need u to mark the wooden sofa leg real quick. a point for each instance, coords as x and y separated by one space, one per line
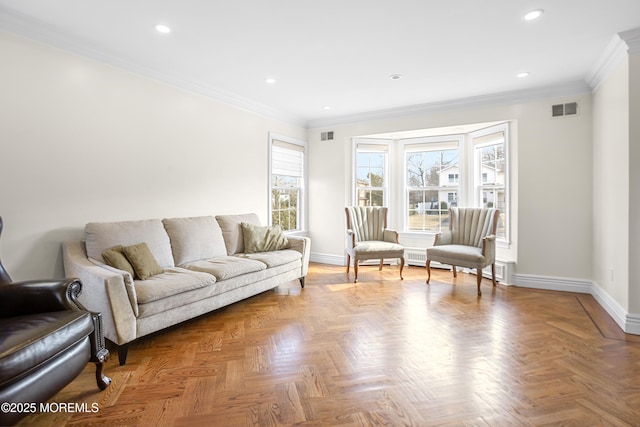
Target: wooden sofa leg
381 261
122 353
479 279
428 270
302 282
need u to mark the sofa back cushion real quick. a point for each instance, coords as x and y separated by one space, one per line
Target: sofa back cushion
194 239
232 230
101 236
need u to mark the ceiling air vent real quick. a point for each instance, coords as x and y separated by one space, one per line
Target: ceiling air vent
326 136
568 109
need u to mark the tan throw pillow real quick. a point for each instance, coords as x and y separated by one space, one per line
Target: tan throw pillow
117 259
142 260
258 238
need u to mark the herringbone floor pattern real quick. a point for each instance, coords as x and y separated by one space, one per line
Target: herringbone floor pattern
379 352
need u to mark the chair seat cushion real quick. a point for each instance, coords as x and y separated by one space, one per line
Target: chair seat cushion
374 249
459 255
28 341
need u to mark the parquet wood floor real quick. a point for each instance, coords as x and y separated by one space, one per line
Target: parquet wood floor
379 352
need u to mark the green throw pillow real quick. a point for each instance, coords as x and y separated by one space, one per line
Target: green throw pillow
117 259
258 238
142 260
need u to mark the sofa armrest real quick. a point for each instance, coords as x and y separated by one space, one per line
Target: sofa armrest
301 244
39 296
104 292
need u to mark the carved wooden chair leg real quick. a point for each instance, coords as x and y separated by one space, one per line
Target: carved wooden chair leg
493 274
428 270
479 279
99 352
401 267
355 270
348 262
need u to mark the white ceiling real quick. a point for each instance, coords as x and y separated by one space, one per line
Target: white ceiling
337 53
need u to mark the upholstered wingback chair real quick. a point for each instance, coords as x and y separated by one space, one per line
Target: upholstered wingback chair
470 242
369 238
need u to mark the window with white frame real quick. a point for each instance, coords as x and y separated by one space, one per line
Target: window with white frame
287 183
490 177
371 174
432 174
432 169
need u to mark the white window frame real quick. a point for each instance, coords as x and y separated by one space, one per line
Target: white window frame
303 199
478 184
364 145
433 143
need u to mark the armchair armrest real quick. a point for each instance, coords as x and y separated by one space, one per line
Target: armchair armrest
489 247
40 296
443 238
390 236
351 238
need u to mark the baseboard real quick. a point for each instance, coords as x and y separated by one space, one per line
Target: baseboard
628 322
327 259
552 283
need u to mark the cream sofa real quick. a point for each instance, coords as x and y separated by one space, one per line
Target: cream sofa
203 267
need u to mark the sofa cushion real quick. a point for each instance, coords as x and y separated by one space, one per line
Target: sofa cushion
226 267
142 261
275 258
194 238
28 341
101 236
232 230
172 281
117 259
258 238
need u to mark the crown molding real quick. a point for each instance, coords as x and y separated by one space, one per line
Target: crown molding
44 33
622 44
568 89
632 39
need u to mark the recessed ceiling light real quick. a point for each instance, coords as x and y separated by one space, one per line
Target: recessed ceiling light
395 76
522 74
270 80
534 14
161 28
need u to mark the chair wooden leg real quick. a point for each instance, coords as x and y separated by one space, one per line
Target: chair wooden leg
493 274
479 279
355 269
348 262
428 270
401 267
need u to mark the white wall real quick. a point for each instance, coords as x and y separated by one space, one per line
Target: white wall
83 141
550 171
634 183
611 184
